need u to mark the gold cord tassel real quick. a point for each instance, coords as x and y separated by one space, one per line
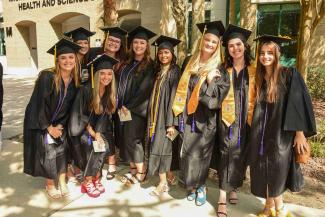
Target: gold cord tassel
54 56
256 51
92 75
201 41
126 43
221 54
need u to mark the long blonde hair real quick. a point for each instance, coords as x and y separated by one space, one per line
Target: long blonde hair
213 62
74 73
109 94
272 83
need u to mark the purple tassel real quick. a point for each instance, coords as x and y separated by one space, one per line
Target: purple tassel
89 139
152 138
261 152
238 142
181 125
230 132
193 125
45 139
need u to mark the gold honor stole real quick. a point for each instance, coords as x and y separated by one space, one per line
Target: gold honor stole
228 105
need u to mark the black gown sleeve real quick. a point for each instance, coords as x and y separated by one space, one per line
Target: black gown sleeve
44 85
299 114
213 94
171 120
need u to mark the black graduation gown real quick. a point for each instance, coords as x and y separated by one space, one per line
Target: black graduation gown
232 161
161 148
196 146
82 150
41 159
134 90
272 165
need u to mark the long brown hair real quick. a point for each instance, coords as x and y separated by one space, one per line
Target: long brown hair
144 62
273 82
108 99
74 73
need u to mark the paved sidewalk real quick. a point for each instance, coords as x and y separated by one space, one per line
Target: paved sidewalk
24 196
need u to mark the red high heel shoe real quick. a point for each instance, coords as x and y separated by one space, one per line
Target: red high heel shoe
99 186
90 189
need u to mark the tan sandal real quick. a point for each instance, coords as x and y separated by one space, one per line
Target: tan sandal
283 212
159 190
52 192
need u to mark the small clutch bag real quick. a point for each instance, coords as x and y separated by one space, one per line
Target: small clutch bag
303 158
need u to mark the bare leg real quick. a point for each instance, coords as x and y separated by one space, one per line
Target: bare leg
222 203
63 185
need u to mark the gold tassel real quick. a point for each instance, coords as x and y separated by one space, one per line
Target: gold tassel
221 53
256 51
76 77
92 75
126 43
201 41
54 56
155 49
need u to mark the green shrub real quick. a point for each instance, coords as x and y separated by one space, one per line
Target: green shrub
318 141
316 82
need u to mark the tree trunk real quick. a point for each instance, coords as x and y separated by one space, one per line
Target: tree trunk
179 13
167 23
311 13
198 12
248 19
232 12
304 38
110 13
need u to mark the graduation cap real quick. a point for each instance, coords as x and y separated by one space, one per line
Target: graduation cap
214 27
277 39
79 34
165 42
141 33
63 46
115 31
267 38
233 31
101 62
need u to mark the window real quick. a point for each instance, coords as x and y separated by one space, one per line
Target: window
2 42
281 19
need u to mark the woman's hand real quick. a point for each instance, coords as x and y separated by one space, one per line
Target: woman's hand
124 110
301 142
213 74
171 131
56 131
99 138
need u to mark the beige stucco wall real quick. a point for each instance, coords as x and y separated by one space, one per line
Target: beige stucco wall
34 31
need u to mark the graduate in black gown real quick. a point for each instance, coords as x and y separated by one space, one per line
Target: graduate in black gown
235 116
91 123
200 92
81 37
161 120
136 81
283 118
46 116
114 46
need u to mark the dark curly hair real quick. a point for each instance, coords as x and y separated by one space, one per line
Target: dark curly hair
228 62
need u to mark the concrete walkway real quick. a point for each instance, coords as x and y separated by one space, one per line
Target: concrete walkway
24 196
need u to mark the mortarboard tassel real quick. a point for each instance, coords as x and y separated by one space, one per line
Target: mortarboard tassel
256 51
126 43
201 41
54 56
92 75
155 50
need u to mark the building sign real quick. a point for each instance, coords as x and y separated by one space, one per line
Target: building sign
272 1
35 4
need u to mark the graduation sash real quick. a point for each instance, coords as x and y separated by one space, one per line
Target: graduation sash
228 105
